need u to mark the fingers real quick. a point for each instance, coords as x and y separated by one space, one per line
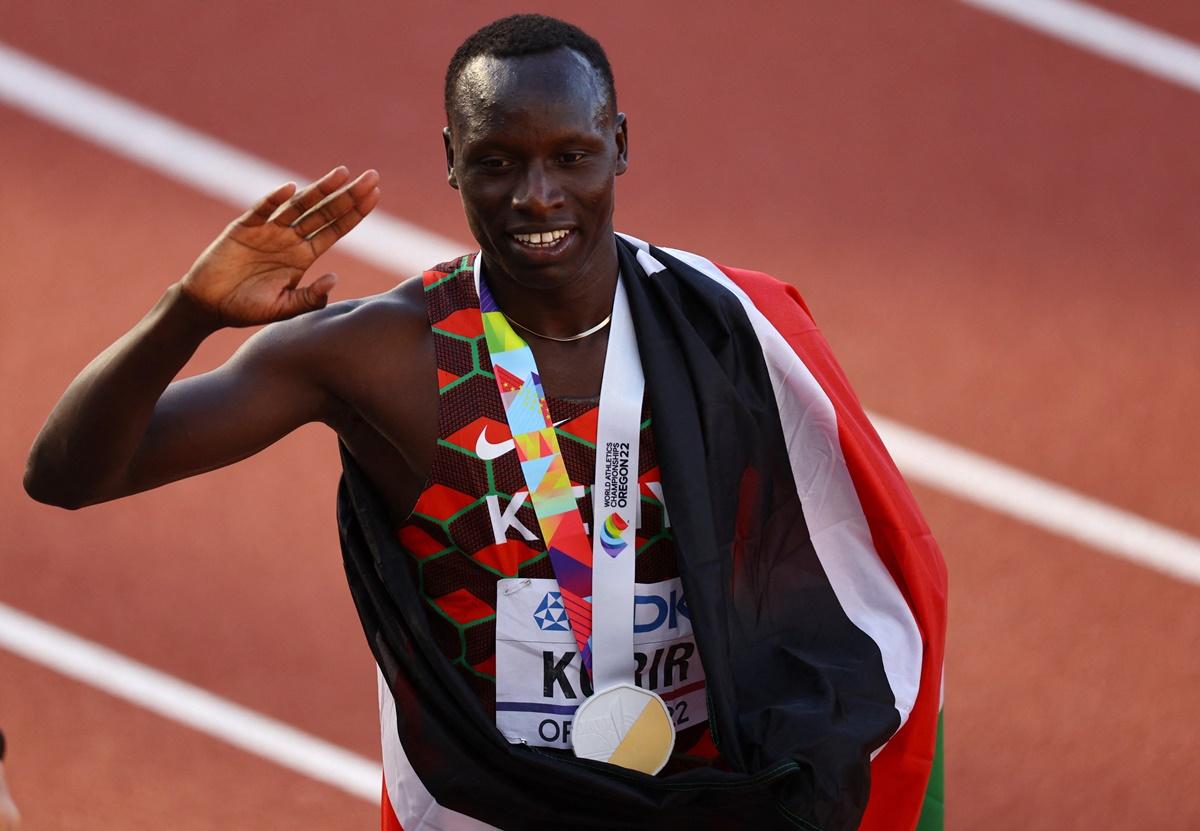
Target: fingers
308 298
362 205
310 196
266 206
337 205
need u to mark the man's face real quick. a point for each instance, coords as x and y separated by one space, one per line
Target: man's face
533 149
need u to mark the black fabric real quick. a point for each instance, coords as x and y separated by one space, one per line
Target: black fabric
797 694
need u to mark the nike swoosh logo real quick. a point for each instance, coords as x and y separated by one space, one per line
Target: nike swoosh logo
487 450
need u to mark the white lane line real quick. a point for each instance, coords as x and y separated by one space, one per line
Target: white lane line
187 704
1046 505
1110 35
194 159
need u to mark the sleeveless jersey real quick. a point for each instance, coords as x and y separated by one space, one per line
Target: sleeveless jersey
473 526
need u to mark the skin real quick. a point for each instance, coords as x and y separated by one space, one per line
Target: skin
532 144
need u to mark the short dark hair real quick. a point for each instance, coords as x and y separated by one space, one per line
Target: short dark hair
529 34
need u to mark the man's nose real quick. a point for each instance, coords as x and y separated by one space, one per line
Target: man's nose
538 193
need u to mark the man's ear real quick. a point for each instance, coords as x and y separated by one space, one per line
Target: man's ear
622 144
451 177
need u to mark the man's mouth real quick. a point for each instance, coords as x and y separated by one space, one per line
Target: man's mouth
543 240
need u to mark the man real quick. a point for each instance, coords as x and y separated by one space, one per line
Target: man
471 408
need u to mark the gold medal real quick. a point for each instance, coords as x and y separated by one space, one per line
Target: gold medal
625 726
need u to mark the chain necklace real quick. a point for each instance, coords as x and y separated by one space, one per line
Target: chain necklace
585 333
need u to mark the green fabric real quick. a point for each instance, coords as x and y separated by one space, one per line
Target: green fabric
933 812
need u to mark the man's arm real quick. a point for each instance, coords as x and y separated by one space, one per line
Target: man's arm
119 428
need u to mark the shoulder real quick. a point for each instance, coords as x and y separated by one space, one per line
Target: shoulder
398 314
765 290
399 311
342 338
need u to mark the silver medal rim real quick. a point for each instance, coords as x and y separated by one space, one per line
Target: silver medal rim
580 714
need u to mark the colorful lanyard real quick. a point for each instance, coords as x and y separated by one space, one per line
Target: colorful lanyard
597 580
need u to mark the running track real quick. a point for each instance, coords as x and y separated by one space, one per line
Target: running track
996 230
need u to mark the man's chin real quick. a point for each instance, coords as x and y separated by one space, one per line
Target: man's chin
538 270
541 278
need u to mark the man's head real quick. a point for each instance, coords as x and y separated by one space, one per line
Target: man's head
533 145
529 34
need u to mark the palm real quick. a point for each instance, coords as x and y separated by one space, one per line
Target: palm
248 271
251 273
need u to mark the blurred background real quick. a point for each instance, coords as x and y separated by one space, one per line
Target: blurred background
994 223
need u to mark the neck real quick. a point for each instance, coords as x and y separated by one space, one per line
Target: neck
562 309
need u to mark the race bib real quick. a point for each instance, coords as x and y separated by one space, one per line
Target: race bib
539 676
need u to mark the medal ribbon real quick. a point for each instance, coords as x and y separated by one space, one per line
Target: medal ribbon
609 560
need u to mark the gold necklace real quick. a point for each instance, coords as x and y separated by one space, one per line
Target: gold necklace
567 339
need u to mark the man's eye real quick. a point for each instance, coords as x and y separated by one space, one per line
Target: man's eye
572 158
495 163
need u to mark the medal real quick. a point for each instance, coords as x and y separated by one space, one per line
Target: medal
620 724
626 726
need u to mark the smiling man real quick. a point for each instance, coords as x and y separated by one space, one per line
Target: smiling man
625 548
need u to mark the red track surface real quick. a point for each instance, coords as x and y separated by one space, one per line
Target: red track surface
996 231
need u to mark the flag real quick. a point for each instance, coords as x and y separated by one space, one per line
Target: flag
907 774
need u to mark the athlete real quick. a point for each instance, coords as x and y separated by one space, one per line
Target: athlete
413 384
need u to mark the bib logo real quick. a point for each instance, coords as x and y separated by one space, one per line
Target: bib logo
551 616
652 612
610 535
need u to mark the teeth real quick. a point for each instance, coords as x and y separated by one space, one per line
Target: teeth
547 238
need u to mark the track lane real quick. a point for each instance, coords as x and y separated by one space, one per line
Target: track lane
899 306
80 759
1071 679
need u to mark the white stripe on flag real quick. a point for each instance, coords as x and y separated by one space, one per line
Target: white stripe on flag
413 804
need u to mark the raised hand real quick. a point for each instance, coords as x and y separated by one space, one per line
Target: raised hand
251 273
